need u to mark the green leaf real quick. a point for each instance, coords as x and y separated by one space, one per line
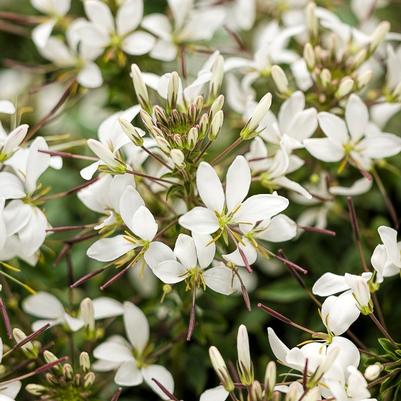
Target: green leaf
282 291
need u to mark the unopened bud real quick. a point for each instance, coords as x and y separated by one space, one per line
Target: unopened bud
250 130
35 389
270 377
133 133
359 58
256 391
49 356
245 368
173 90
192 138
89 379
87 314
325 77
311 20
364 78
217 105
397 90
309 56
379 35
372 372
162 143
177 157
68 371
217 77
280 79
220 368
345 87
140 87
216 125
84 361
19 336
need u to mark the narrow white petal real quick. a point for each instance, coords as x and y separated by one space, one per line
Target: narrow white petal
185 251
157 253
209 187
170 271
162 375
43 305
144 224
357 117
334 127
324 149
238 181
128 375
329 284
136 326
108 249
138 43
129 16
200 220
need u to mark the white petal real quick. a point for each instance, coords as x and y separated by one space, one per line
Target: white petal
164 51
10 186
159 25
280 350
42 32
144 224
357 188
93 37
99 14
389 238
329 284
185 251
108 249
157 253
128 375
43 305
88 172
7 107
15 138
162 375
357 117
260 207
303 125
218 393
248 253
73 323
136 326
105 307
129 16
238 181
138 43
10 391
324 149
129 204
334 127
199 220
220 279
113 352
90 76
205 249
380 146
102 152
281 228
170 271
37 163
290 108
209 187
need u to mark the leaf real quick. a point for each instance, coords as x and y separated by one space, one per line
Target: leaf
282 291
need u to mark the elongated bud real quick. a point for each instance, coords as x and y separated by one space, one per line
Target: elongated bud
20 336
217 105
364 78
84 362
359 58
220 368
217 77
89 379
280 79
140 88
217 124
173 90
177 157
68 371
103 153
133 133
324 366
87 313
162 143
309 56
372 372
256 391
35 389
311 20
245 368
270 377
49 356
379 35
192 138
325 77
345 87
250 130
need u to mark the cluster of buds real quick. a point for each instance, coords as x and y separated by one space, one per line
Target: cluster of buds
184 127
63 382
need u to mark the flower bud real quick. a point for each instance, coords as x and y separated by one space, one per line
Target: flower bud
280 79
87 314
89 379
35 389
359 58
256 391
217 105
379 35
216 126
162 143
311 20
177 157
250 130
133 133
192 138
19 336
361 292
103 153
221 369
84 361
372 372
345 87
140 87
68 371
49 356
309 56
270 377
173 90
217 77
364 78
245 368
325 77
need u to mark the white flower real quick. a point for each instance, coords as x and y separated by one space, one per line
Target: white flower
229 208
75 55
339 312
142 229
103 31
357 140
190 25
50 310
386 258
111 139
294 124
9 143
55 9
129 358
273 169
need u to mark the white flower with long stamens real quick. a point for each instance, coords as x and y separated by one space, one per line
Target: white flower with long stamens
189 25
131 359
356 140
56 10
339 312
142 230
103 31
229 209
386 258
50 310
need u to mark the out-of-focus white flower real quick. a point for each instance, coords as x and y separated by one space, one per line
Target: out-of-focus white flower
372 372
120 33
130 358
386 258
230 208
357 140
7 107
189 25
50 310
75 54
56 10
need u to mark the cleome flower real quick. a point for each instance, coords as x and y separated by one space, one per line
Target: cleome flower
132 359
227 209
